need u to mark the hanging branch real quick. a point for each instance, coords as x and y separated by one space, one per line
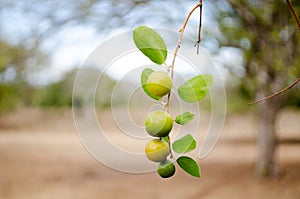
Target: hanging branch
297 80
199 4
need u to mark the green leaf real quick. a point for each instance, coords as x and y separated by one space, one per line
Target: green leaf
150 43
196 88
166 139
184 118
185 144
189 165
144 77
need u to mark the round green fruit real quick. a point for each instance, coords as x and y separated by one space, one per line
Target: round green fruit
166 169
159 83
158 124
157 150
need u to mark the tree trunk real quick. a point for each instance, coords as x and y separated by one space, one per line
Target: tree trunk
266 141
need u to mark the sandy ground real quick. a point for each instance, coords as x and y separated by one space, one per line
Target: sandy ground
41 157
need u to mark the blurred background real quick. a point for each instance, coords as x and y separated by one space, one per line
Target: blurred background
42 46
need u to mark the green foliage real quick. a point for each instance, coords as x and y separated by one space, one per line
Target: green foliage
8 97
59 94
144 78
8 55
196 88
14 95
55 95
184 118
184 144
150 43
293 99
15 91
189 165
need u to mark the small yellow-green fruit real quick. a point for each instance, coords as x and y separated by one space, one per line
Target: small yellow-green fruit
157 150
158 124
159 83
166 169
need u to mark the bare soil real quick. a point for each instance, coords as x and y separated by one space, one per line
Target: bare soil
41 157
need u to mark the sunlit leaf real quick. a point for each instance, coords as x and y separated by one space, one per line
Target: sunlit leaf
184 118
150 43
196 88
185 144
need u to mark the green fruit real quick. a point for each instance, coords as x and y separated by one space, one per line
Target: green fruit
157 150
166 169
159 124
159 83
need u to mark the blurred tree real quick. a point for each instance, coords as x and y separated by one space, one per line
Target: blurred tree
15 62
25 27
266 33
44 18
59 94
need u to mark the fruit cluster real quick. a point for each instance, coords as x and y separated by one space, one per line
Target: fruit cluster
159 124
158 85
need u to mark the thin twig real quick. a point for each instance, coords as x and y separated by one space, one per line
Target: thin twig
294 12
181 35
297 80
197 44
277 93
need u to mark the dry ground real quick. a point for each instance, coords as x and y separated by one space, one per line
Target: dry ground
41 157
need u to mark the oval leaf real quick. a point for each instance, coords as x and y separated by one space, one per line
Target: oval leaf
189 165
144 77
185 144
184 118
196 88
150 43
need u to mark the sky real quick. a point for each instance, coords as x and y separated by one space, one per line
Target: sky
73 44
69 49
